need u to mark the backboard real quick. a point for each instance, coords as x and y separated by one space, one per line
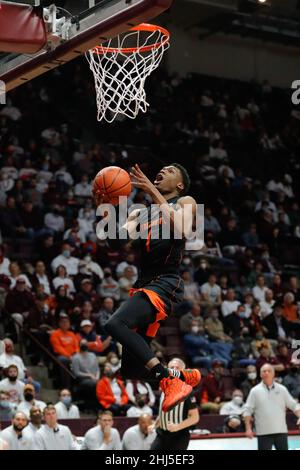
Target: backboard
92 23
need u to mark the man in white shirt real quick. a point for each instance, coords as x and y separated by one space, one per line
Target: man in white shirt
53 436
84 188
139 409
103 436
65 259
65 409
140 436
266 306
54 221
30 401
236 406
268 402
211 292
229 305
17 436
12 385
259 290
8 358
36 416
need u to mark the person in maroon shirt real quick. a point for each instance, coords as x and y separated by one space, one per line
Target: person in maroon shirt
212 391
284 357
18 302
266 358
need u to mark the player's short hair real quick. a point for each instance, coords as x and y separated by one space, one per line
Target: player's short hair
185 177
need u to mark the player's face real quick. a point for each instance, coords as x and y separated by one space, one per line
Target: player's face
168 180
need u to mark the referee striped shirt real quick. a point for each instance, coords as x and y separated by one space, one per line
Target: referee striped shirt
177 414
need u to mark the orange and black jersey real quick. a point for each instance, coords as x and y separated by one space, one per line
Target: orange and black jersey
160 252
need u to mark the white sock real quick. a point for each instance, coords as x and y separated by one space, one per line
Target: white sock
174 373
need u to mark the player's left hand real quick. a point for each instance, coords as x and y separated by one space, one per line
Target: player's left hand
172 427
141 181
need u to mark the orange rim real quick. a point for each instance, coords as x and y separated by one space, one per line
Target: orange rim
129 50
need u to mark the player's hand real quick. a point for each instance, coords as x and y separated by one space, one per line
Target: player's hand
141 181
249 434
172 427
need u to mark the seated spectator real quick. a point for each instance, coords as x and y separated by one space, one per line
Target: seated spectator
284 357
65 409
12 385
67 260
211 224
86 369
114 361
214 327
229 305
109 286
275 323
10 220
86 293
88 268
75 235
212 249
139 408
266 358
64 344
126 282
139 436
292 286
103 436
235 322
266 306
236 406
36 417
32 220
94 342
53 436
242 348
60 302
4 262
54 220
254 322
212 392
248 304
7 408
230 238
104 313
18 302
277 288
193 316
129 261
84 188
8 358
250 381
30 400
62 279
292 379
141 388
15 274
17 435
290 309
111 392
251 238
40 277
259 290
211 292
191 291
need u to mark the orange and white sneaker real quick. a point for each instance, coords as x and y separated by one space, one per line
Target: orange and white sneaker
192 377
175 391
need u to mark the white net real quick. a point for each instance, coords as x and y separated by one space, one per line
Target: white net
120 69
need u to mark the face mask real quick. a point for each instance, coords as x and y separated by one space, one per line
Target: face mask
109 373
252 375
294 370
107 275
67 401
88 258
4 404
140 403
28 396
83 347
114 361
66 253
237 401
186 261
242 314
195 329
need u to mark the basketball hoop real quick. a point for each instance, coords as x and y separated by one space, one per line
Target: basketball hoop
121 67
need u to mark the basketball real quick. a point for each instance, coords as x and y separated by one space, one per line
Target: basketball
113 182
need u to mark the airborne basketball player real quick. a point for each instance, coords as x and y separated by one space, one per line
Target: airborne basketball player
159 287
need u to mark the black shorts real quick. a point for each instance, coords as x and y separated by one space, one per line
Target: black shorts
171 440
165 292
